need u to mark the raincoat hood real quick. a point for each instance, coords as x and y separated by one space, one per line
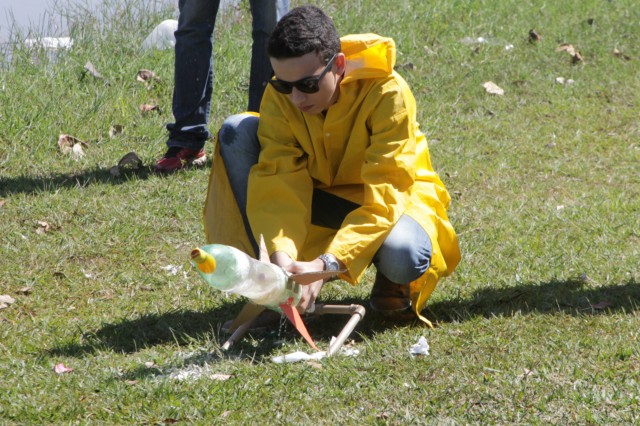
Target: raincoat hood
368 56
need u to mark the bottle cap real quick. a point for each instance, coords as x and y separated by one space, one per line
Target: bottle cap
203 261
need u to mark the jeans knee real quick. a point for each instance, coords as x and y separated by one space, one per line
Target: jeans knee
403 266
236 129
406 253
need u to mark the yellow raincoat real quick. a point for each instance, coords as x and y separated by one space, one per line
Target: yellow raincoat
367 149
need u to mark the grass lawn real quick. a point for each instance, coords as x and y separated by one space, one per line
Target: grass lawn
538 325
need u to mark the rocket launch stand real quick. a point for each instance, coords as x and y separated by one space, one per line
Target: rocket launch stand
356 313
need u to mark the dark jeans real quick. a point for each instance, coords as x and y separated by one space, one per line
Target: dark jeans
194 65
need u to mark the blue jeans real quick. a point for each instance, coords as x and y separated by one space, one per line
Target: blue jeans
403 256
194 65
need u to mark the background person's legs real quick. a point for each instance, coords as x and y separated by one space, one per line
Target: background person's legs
193 85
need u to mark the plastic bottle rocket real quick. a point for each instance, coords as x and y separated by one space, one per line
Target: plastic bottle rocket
265 284
228 269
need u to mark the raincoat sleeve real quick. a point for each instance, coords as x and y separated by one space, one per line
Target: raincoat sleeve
280 187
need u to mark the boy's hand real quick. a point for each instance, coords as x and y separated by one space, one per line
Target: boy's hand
309 292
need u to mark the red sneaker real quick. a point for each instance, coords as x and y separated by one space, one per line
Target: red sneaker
177 158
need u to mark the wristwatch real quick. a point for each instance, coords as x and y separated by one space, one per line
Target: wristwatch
330 262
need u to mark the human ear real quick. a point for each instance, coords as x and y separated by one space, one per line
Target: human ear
341 63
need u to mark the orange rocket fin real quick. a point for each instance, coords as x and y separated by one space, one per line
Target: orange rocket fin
294 316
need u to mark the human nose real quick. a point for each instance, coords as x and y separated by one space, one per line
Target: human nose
297 96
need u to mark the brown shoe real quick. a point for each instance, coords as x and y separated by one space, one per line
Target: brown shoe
388 297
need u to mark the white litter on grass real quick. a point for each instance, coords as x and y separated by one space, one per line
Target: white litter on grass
488 41
50 43
172 270
316 356
162 36
493 88
420 348
562 80
299 356
195 372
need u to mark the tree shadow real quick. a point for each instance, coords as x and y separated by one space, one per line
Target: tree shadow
572 297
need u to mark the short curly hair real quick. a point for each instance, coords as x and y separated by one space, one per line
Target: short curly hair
303 30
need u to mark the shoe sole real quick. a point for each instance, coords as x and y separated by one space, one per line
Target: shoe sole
200 161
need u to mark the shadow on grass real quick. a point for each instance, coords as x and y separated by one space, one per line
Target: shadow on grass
185 327
571 297
131 335
25 184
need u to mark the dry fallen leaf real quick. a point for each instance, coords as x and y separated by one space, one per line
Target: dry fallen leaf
407 67
526 374
129 161
72 145
146 75
89 68
565 47
6 300
621 55
493 88
149 107
534 36
61 369
24 291
43 227
2 203
115 130
575 55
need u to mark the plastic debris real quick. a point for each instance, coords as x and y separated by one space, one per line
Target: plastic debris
61 369
299 356
161 37
493 88
420 348
172 270
562 80
316 356
49 43
487 41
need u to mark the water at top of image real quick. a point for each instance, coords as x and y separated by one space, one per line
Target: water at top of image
24 19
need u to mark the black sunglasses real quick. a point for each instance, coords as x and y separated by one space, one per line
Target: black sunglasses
305 85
